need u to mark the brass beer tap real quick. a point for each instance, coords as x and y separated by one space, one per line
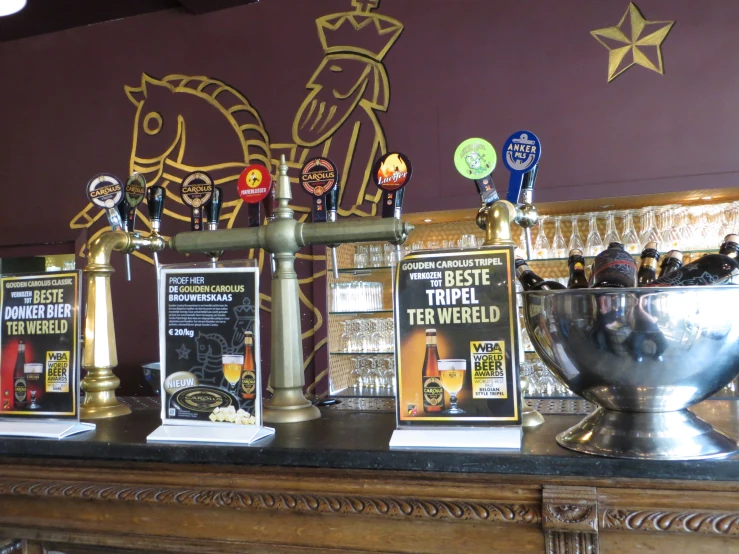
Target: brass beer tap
99 355
283 236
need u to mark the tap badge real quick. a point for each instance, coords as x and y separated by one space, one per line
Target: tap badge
319 176
475 158
521 152
105 191
392 171
197 188
135 189
254 184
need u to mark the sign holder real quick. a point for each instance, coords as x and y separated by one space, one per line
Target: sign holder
461 391
222 301
41 322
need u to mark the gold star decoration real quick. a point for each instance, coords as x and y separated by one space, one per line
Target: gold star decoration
633 41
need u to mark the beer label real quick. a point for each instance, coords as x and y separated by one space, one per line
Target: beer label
57 371
196 189
319 176
649 262
248 382
433 392
202 399
105 191
135 189
487 360
20 387
392 171
254 184
475 158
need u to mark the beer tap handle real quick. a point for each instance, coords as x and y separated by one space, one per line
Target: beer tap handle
332 201
527 189
213 210
486 190
123 209
155 199
106 191
521 153
391 173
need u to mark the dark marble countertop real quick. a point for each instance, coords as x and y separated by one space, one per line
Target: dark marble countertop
345 439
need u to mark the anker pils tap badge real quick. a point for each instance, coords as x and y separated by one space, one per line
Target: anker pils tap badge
392 171
319 176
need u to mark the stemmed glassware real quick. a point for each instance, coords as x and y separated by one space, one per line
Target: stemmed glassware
611 230
670 237
649 231
629 238
541 246
594 243
559 246
575 240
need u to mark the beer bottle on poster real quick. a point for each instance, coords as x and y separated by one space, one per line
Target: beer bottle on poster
711 269
433 392
20 385
248 373
648 266
530 280
577 270
673 261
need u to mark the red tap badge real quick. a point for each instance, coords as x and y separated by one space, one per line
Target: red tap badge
254 184
319 176
392 171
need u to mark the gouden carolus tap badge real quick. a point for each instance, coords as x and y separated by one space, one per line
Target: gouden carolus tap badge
634 41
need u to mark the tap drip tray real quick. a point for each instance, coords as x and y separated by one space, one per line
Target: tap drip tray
675 435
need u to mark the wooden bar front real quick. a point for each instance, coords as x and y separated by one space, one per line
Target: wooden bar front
333 486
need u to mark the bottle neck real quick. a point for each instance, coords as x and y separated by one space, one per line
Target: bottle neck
730 249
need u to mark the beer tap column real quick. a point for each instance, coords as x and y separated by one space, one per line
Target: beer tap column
284 236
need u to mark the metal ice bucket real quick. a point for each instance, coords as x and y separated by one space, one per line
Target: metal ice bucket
643 355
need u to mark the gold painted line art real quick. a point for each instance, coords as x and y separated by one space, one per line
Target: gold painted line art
338 119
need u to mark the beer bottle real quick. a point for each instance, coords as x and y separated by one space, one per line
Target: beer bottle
711 269
433 392
248 381
20 385
673 261
614 268
648 266
530 280
576 263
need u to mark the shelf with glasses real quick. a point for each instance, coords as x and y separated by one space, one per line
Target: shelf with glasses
388 311
364 270
356 392
362 353
636 256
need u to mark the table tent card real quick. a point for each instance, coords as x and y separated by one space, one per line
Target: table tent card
457 350
209 354
40 355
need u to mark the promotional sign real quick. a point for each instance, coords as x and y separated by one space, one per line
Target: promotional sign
457 339
521 153
196 191
106 191
319 177
39 360
209 345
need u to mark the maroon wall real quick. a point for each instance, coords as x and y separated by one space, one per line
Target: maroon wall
464 68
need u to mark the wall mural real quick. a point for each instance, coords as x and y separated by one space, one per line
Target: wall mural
178 115
634 41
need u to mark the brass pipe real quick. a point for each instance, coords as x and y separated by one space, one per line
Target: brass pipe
99 355
283 237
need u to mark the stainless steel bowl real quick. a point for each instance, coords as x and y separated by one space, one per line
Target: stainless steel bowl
643 355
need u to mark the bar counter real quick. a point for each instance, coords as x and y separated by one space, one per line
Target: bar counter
334 485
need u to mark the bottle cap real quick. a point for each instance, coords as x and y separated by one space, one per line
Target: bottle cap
616 245
731 238
575 252
652 246
675 254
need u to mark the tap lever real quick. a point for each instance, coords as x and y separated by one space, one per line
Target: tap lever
521 153
486 190
527 190
196 191
213 209
106 192
155 196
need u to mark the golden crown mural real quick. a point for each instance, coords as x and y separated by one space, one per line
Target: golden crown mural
337 119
